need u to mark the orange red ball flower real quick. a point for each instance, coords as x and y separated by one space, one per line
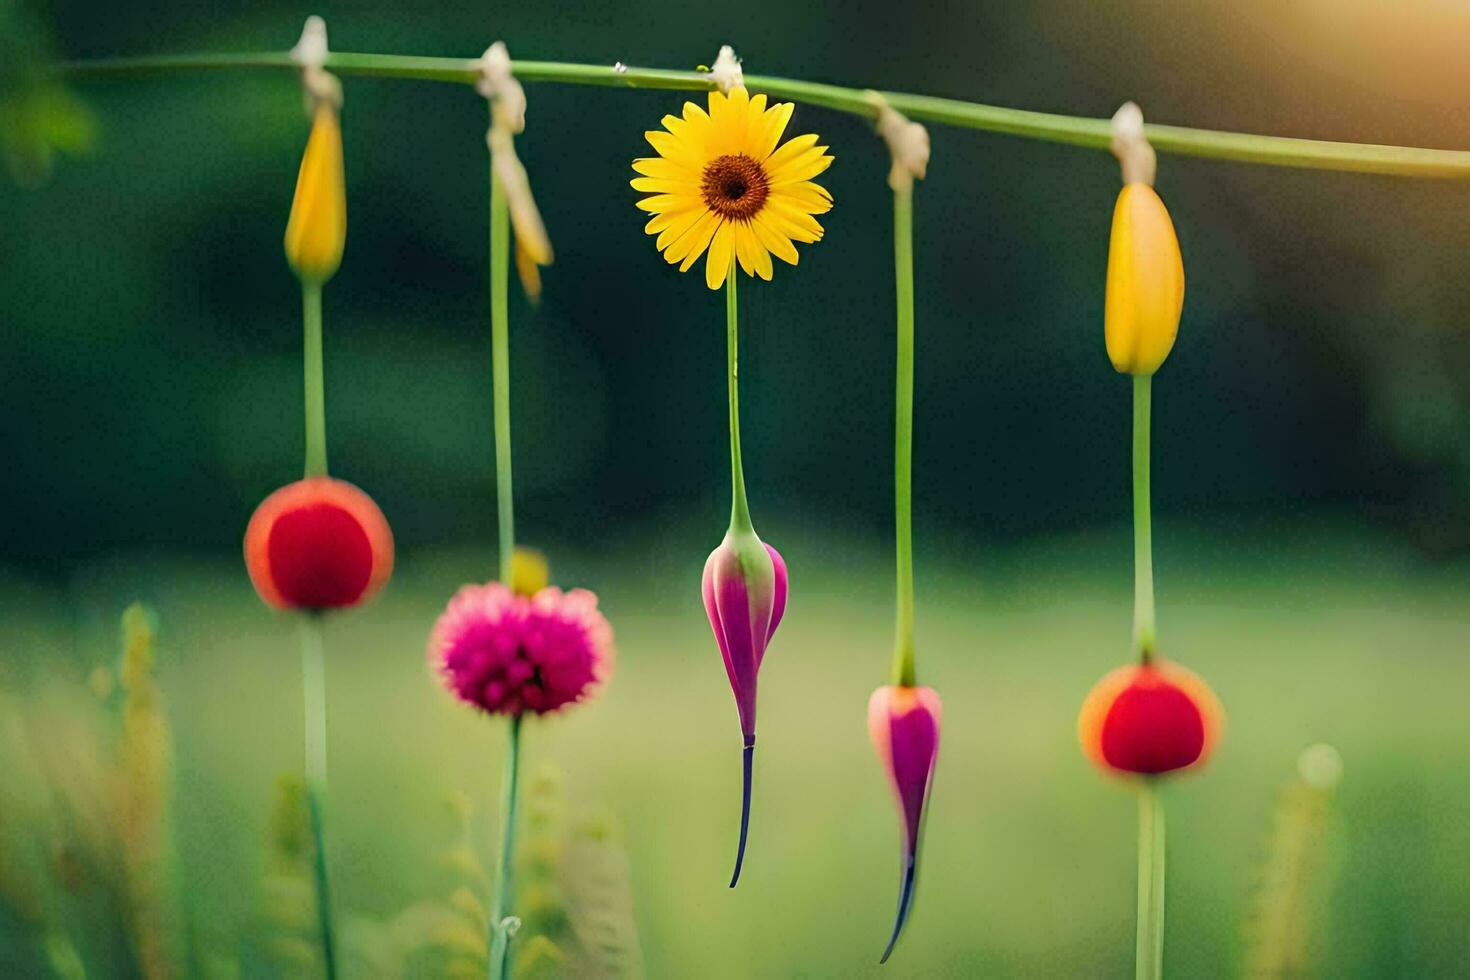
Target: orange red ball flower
318 544
1148 719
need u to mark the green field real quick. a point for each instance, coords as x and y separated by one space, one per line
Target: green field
1307 633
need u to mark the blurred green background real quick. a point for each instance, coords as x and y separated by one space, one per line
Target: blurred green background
1312 474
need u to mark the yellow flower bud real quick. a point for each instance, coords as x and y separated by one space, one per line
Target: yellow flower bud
529 571
317 228
1145 282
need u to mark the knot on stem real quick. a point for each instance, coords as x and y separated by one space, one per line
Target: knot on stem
727 73
310 55
1131 146
507 118
908 143
499 85
509 926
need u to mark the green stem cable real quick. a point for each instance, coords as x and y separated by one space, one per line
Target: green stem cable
1150 949
502 924
316 410
500 357
1149 954
1081 131
903 433
739 508
314 693
1143 553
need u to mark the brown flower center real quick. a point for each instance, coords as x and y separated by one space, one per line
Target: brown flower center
735 186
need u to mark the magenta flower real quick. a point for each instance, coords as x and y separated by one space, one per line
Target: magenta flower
904 725
745 596
506 653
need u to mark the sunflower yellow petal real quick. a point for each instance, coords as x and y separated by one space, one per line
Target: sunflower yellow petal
744 247
666 202
752 125
667 169
721 247
660 185
772 126
789 151
666 219
796 225
678 226
762 260
660 221
803 168
690 245
779 244
670 147
752 255
737 112
806 196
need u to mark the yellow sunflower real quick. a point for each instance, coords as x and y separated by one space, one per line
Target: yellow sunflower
719 183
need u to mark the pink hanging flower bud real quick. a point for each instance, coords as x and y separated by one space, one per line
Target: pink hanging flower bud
745 596
904 725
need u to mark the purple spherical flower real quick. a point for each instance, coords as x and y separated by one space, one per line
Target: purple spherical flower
506 653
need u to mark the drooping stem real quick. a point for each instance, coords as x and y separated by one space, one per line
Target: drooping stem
1143 551
314 692
1083 131
500 357
316 402
503 924
739 509
903 434
747 763
1149 954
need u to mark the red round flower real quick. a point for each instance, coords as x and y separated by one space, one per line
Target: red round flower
1149 719
318 543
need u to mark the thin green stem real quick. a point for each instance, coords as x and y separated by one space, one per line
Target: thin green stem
739 508
314 694
1143 548
500 357
1076 130
1149 954
316 404
903 434
502 924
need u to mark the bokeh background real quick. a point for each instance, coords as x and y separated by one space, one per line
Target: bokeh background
1312 462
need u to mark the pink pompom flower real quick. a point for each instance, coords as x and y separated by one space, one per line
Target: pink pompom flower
506 653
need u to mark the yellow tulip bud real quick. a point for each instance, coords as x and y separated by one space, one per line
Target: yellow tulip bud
1145 282
317 228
